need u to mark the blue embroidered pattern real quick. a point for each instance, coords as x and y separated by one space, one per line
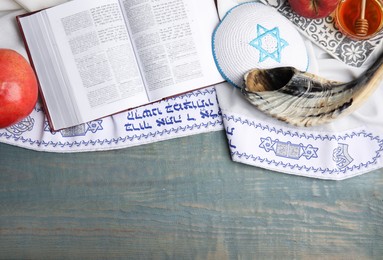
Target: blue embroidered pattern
342 168
288 150
269 43
95 126
21 127
341 156
117 140
80 130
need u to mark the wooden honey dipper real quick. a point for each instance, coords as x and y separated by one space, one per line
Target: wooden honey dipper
361 24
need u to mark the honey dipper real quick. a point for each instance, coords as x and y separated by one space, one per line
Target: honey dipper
361 24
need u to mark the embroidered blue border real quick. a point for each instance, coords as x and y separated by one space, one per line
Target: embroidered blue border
128 138
196 93
292 133
113 140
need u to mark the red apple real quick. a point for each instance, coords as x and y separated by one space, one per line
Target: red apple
313 9
18 88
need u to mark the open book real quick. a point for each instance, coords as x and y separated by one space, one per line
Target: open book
94 58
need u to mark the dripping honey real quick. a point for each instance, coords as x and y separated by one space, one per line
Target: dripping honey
348 12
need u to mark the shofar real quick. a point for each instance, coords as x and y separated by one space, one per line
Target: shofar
303 99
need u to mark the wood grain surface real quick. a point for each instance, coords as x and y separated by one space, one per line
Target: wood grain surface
180 199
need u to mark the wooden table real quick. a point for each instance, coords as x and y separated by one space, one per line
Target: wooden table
180 199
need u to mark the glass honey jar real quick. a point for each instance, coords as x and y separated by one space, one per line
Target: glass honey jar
349 11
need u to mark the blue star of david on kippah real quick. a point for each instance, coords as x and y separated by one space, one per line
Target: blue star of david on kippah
269 43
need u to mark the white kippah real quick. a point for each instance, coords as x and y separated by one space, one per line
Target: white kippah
253 35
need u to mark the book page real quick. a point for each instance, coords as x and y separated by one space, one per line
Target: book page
98 55
172 39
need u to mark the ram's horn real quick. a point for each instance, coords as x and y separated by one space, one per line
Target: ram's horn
304 99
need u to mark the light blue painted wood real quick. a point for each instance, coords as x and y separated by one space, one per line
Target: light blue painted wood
180 199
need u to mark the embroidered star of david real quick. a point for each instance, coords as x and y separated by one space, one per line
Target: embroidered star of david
94 126
269 43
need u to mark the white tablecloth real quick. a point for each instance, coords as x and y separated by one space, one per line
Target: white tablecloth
348 147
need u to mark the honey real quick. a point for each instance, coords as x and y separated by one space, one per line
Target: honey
348 11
